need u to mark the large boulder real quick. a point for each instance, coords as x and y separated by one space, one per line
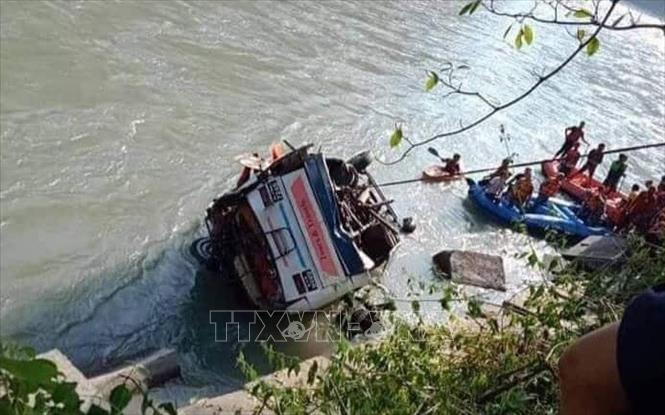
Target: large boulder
473 268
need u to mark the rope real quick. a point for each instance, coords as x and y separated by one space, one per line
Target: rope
528 163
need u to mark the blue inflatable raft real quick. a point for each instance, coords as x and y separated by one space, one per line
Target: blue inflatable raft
556 215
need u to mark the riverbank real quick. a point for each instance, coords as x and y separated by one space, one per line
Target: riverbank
503 361
496 359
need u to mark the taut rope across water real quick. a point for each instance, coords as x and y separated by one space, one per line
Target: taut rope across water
529 163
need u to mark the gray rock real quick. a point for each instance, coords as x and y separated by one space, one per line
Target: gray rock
472 268
598 251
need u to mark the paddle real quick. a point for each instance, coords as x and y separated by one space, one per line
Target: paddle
435 153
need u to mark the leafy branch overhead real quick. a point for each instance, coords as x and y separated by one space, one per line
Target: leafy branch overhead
30 385
588 22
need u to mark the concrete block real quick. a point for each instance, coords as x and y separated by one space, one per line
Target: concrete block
473 268
598 251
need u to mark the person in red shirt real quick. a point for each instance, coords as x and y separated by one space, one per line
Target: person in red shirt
570 159
573 136
594 158
452 165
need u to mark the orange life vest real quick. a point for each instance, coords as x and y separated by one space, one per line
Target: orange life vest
549 188
523 189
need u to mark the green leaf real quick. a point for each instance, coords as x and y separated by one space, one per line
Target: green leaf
119 399
466 8
34 371
528 34
432 80
593 46
474 7
145 404
169 408
473 309
445 303
582 13
580 34
518 39
65 393
396 137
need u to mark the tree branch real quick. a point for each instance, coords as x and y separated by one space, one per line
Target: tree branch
541 80
594 21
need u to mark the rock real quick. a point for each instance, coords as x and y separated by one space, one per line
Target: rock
473 268
598 251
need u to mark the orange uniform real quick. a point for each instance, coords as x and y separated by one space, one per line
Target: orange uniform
549 187
522 190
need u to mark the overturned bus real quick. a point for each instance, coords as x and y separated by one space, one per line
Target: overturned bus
301 231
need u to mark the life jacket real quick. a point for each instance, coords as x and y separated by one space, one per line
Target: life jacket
549 188
645 202
452 167
522 189
595 203
571 158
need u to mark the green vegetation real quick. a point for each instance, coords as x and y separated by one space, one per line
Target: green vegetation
32 386
494 361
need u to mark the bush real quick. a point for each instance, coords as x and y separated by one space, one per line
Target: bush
505 363
29 385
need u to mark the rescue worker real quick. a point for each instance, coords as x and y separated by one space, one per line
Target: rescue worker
626 205
634 191
452 165
570 159
643 208
593 207
495 185
594 159
616 172
521 188
549 188
502 170
573 136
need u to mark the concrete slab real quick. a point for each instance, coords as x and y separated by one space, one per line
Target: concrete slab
473 268
598 251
